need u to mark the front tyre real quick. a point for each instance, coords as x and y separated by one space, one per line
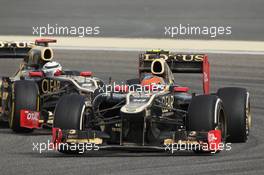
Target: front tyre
69 114
25 96
236 103
206 113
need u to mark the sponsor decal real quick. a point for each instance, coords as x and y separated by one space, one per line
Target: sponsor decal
176 57
49 85
16 44
29 119
168 102
214 139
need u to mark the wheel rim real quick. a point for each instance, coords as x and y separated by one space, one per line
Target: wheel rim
11 107
222 124
248 116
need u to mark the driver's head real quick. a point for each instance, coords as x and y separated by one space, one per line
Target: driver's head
150 79
52 68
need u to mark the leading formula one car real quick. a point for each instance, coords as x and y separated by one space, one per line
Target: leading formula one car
153 112
28 99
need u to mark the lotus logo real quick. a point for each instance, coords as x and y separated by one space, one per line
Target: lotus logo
15 44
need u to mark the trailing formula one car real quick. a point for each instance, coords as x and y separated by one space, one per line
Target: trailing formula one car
153 112
28 99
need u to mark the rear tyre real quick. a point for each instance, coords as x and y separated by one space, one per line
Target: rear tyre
26 95
69 114
206 113
237 108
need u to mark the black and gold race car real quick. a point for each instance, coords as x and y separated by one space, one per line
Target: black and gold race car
28 98
153 112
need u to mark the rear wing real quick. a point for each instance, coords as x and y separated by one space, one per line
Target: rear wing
13 49
178 63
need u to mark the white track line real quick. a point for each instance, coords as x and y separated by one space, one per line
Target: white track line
140 44
234 52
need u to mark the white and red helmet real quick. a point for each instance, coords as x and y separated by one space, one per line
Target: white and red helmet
52 68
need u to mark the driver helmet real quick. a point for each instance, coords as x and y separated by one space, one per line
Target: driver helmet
52 68
150 79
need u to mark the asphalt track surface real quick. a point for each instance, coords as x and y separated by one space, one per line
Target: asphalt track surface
137 18
16 150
